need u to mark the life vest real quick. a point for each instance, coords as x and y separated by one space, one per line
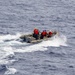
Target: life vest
44 33
50 33
36 31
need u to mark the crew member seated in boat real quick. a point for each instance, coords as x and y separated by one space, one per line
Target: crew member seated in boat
50 33
36 34
43 34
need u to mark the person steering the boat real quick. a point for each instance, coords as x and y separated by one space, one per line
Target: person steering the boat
43 34
36 33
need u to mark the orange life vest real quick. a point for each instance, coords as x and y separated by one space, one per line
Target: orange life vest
44 33
36 31
50 33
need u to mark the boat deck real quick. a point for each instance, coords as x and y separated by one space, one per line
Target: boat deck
30 39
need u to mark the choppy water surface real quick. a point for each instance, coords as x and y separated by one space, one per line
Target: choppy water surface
52 57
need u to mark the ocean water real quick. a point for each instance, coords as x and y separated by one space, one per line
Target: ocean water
53 57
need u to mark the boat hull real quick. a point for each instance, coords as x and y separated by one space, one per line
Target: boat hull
30 39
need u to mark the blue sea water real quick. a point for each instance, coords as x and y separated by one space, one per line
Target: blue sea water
52 57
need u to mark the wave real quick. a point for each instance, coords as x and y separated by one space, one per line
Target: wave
10 71
56 41
2 67
9 37
9 45
6 55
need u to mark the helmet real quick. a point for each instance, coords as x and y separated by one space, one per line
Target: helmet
44 30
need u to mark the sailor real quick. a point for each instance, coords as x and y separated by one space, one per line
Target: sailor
36 33
43 34
50 33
